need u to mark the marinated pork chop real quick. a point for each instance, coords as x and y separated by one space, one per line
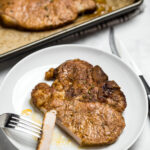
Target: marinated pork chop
89 107
42 14
89 123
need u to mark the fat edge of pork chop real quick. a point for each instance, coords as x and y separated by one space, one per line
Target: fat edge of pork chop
38 14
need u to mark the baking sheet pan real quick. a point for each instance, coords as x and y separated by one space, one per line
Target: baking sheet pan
14 42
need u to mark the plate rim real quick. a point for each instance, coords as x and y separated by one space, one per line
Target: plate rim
93 49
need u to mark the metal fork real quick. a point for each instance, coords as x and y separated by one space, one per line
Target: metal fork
20 123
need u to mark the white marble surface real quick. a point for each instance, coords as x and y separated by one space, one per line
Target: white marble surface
136 36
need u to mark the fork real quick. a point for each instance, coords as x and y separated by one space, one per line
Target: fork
20 123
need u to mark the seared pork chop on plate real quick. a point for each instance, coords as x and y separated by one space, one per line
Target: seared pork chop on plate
89 107
97 117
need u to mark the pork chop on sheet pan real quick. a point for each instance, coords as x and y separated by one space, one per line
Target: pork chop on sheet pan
42 14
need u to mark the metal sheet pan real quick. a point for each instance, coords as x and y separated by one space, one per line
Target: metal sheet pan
41 39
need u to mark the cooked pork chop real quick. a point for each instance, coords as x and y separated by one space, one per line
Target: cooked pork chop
80 79
89 107
89 123
42 14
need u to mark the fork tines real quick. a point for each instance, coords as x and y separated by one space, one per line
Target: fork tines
23 124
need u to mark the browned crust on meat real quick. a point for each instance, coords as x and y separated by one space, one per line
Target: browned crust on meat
99 75
111 94
41 96
78 70
49 75
89 82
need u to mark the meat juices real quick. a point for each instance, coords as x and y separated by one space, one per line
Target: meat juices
89 106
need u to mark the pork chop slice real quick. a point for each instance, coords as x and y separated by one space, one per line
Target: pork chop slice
47 130
89 123
42 14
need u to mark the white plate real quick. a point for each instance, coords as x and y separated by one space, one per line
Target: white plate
16 88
